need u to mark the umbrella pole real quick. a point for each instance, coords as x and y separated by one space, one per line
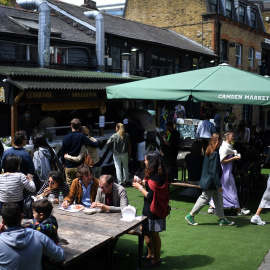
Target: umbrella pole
222 114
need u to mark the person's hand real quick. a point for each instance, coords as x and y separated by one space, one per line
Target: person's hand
93 205
237 157
29 176
103 207
93 139
65 204
66 156
220 189
137 179
56 200
46 192
136 185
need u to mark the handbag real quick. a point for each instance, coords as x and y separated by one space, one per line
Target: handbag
88 160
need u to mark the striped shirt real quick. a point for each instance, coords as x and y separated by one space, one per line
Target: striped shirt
56 191
12 185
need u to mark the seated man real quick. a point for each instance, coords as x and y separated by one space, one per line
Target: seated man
83 189
110 197
22 248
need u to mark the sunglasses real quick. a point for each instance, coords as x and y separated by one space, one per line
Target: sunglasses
103 188
51 182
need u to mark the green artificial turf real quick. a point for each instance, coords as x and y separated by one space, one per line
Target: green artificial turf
206 246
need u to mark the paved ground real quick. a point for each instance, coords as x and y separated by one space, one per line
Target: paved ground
266 262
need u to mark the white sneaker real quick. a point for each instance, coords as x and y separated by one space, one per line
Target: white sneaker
257 220
243 212
211 210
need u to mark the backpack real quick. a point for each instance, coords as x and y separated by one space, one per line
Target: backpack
56 165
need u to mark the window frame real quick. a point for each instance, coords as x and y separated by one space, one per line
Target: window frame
253 22
250 57
222 58
214 5
238 57
229 11
242 18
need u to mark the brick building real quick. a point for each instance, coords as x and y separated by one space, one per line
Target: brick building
233 29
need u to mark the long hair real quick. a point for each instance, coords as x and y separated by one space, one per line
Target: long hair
120 130
155 166
40 141
212 146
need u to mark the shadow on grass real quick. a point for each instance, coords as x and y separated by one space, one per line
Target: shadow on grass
187 261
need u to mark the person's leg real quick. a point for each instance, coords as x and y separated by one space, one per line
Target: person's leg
71 174
218 201
117 163
256 219
156 244
203 200
149 244
125 167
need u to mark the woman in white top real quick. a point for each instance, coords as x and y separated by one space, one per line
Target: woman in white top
12 182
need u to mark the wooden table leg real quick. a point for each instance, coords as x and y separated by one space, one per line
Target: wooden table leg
140 251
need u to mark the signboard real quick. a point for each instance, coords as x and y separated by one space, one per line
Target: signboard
102 121
6 93
33 97
187 131
258 55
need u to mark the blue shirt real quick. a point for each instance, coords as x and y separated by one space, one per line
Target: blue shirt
205 129
27 165
86 200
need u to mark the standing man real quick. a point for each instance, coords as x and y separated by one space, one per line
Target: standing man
20 140
72 144
169 149
110 197
205 128
23 248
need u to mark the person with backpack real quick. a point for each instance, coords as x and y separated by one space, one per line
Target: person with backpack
43 155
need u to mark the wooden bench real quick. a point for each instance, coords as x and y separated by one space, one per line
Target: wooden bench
184 184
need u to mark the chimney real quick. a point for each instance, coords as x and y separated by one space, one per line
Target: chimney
126 64
44 31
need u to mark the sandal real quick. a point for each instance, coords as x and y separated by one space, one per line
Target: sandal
150 264
146 259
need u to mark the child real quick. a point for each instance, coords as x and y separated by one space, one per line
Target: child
43 221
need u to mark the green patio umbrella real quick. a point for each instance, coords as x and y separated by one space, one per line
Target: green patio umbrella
220 84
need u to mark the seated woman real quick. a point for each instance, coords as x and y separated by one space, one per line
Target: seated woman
12 182
83 189
96 170
54 185
194 162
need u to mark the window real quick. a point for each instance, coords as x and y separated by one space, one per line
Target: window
214 5
170 65
250 56
229 8
224 50
195 63
141 61
133 61
238 59
253 18
116 61
242 14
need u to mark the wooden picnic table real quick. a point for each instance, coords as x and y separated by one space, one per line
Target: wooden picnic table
86 233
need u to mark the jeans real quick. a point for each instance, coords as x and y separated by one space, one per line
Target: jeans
96 171
121 164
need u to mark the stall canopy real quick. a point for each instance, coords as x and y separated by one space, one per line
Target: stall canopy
220 84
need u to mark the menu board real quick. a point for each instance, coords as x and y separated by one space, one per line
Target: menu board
187 131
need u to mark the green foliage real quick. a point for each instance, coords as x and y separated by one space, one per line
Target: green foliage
7 2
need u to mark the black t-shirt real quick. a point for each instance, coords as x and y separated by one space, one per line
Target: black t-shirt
194 166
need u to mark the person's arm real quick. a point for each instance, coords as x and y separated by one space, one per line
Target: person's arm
69 199
29 164
54 252
36 162
226 161
27 182
79 158
123 201
87 141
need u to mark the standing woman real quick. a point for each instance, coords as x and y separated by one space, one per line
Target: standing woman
227 156
12 182
210 183
119 143
156 200
42 154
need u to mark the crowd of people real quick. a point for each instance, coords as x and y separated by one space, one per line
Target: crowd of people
209 164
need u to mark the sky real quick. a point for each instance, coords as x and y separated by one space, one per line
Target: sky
99 2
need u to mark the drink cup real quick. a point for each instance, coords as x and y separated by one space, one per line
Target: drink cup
136 178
